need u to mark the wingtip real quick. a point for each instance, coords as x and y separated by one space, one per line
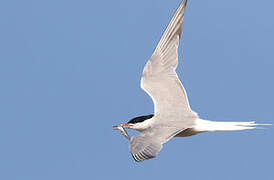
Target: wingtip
184 3
136 159
140 157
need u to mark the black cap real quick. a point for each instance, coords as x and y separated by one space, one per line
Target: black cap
140 119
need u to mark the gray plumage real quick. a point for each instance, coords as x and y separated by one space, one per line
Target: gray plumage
161 82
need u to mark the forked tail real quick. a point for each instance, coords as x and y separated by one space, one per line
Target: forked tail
213 126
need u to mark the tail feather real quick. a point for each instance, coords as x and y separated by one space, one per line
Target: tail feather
213 126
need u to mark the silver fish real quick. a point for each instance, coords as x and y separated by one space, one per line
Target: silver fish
123 131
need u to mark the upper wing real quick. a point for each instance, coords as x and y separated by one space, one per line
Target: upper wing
147 144
159 78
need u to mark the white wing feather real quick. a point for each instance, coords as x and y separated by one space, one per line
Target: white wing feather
159 79
161 82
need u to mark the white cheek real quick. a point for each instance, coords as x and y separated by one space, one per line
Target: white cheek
142 126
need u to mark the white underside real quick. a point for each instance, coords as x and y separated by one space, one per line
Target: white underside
213 126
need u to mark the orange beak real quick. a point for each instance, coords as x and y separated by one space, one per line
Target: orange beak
125 125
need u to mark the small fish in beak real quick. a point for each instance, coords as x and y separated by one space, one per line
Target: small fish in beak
123 131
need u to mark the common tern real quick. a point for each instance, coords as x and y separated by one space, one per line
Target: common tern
173 116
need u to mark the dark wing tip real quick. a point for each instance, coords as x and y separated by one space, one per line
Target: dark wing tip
139 157
146 153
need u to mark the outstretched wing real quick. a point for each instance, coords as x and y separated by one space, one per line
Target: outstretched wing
159 77
143 148
147 144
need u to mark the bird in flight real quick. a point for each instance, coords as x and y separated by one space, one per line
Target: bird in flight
173 116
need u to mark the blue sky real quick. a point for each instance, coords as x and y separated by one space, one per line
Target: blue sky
69 70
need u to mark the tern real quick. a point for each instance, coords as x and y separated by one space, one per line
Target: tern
173 116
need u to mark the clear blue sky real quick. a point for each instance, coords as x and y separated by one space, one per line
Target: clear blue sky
69 70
